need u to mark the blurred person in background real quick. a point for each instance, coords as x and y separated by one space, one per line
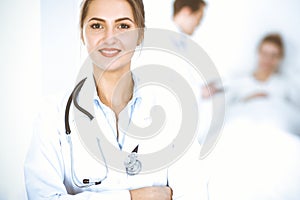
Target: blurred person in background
266 79
187 15
266 94
257 157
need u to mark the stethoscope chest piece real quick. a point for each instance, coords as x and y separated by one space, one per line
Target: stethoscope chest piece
132 164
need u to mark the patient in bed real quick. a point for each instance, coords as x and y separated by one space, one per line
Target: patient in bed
264 96
258 154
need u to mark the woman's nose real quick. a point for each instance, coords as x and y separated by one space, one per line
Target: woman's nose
110 37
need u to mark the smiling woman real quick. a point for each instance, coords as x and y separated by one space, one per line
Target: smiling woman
109 36
59 166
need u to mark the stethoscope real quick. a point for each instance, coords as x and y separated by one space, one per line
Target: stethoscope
132 165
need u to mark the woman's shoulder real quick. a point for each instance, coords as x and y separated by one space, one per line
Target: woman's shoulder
50 115
54 102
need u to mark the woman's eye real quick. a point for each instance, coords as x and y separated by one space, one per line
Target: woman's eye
124 26
96 26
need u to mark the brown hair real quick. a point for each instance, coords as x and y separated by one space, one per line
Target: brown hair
276 39
194 5
137 7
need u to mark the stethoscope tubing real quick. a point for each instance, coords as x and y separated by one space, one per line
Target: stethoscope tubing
73 98
133 167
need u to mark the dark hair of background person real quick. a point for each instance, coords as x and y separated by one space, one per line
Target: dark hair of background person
194 5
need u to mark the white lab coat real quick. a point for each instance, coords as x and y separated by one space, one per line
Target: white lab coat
48 163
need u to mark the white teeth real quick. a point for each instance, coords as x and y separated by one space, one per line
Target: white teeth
109 51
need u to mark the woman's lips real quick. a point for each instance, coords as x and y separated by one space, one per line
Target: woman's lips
109 52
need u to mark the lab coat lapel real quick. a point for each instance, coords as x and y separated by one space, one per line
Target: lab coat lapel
92 137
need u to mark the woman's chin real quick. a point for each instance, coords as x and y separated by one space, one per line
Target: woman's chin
114 67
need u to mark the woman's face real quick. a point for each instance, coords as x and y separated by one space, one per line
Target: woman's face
269 56
108 33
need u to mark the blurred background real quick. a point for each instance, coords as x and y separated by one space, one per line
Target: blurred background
41 53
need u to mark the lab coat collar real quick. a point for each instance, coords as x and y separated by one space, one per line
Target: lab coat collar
88 99
90 132
90 92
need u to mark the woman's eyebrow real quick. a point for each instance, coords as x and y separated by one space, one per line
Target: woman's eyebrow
117 20
97 19
124 18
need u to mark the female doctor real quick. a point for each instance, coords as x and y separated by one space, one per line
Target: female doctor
56 168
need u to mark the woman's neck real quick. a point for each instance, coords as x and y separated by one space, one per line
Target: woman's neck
114 88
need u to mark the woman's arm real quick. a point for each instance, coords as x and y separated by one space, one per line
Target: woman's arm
152 193
45 171
44 168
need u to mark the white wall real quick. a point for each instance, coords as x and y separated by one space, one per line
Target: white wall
60 44
20 88
229 33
